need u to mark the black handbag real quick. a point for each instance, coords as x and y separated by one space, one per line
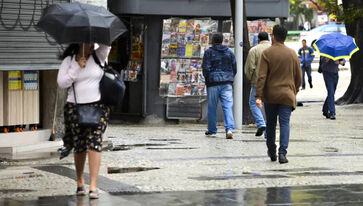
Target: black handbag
88 116
112 88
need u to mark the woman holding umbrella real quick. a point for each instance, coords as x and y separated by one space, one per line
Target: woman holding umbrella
80 69
82 25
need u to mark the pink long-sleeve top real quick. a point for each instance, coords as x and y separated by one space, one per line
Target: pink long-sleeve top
86 80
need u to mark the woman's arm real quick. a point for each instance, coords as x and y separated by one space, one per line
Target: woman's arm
68 72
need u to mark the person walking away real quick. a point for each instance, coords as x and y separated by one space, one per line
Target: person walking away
251 71
80 72
330 69
306 57
219 69
278 83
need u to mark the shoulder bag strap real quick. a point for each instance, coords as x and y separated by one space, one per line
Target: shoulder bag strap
94 55
74 93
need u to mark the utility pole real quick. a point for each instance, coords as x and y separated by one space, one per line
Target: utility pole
238 81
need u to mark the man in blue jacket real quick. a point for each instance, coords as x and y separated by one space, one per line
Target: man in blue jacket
219 69
306 56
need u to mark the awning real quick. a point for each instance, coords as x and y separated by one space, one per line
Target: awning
213 8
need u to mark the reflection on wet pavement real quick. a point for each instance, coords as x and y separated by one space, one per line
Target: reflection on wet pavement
301 195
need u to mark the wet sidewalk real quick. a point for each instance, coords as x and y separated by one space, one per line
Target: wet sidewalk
177 165
303 195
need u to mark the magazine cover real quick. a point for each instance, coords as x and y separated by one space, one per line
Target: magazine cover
204 39
172 89
201 78
173 77
180 90
164 79
181 77
181 38
179 65
186 64
181 50
173 50
211 26
198 26
226 38
194 90
173 38
172 66
196 50
203 49
189 50
188 77
190 25
165 50
166 25
193 66
174 26
187 89
182 25
201 90
164 66
196 37
189 37
195 77
166 38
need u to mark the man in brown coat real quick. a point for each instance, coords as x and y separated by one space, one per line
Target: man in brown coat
278 83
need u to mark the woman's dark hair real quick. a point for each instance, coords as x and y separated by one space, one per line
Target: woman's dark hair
70 51
279 33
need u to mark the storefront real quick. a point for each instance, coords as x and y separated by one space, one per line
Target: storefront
170 84
28 71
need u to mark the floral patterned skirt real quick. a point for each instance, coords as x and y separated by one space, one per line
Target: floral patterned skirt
82 139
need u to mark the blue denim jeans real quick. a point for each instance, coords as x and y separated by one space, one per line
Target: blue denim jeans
308 73
331 82
225 94
256 112
284 113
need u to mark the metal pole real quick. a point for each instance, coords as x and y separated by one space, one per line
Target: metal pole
238 81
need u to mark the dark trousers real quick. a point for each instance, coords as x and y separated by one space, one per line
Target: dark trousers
284 113
306 69
331 82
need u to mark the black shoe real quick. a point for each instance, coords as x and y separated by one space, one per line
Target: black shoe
327 115
64 152
260 131
209 134
311 85
332 117
272 156
283 159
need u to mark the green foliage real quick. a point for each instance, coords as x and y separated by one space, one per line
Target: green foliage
348 12
297 9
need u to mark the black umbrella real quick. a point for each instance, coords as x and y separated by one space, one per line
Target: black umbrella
80 23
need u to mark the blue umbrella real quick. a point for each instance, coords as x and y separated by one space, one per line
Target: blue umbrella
336 46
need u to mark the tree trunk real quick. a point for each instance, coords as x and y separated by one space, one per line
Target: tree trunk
247 115
354 93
